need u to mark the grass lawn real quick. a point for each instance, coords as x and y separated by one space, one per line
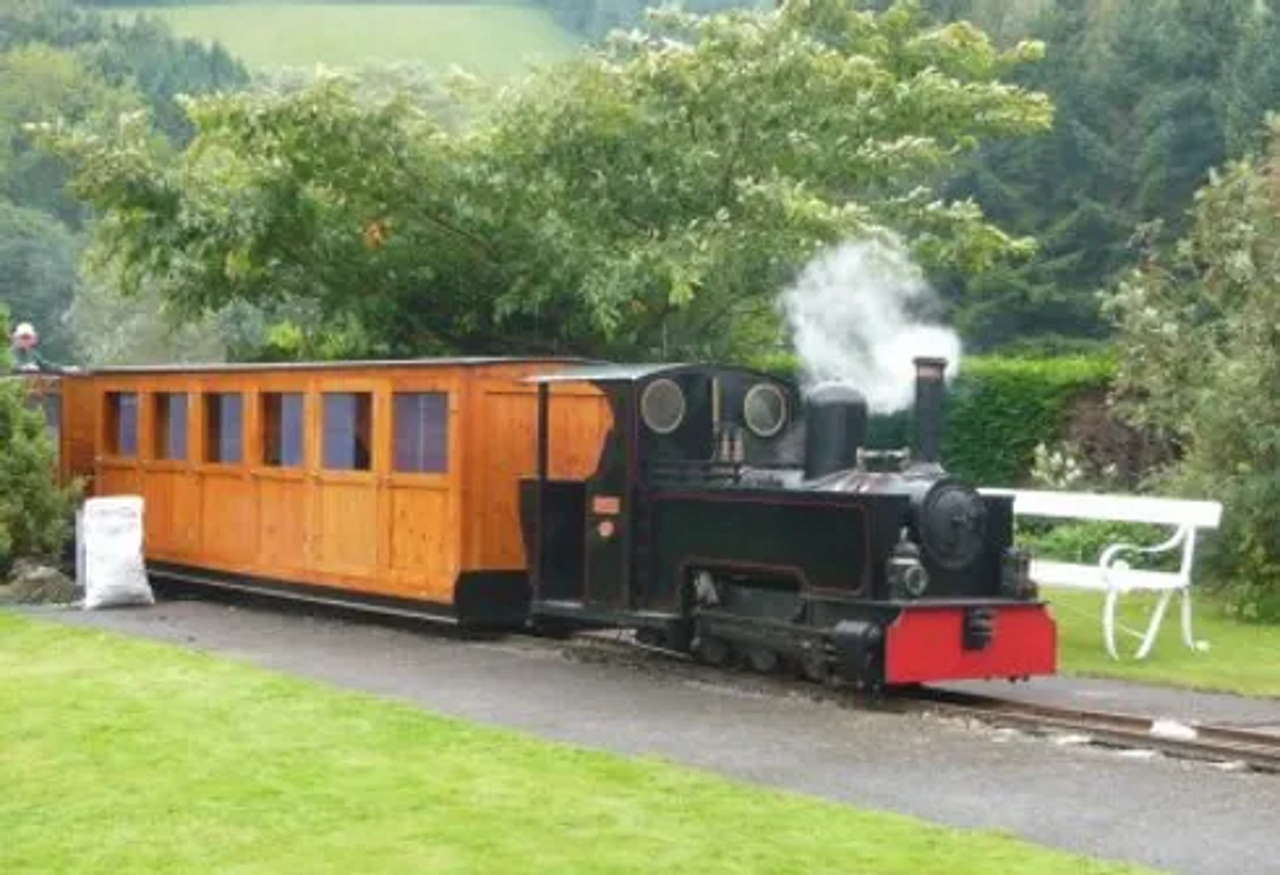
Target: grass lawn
119 755
1242 658
492 40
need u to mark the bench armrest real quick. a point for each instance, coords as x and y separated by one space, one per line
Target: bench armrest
1111 554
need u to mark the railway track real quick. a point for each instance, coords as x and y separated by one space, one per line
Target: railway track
1248 748
1252 749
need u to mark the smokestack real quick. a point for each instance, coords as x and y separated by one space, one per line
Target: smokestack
929 389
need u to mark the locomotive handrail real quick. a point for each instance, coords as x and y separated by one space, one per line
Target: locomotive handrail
1112 574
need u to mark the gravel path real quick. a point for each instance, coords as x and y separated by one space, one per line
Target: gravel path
1187 817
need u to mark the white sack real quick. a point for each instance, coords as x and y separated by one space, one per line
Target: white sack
114 571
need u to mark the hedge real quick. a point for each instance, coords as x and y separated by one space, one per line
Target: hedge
997 410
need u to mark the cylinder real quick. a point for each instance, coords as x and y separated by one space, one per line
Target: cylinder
835 426
928 419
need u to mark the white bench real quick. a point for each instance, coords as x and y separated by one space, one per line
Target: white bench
1112 573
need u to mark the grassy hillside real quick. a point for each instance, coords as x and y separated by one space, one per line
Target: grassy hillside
488 39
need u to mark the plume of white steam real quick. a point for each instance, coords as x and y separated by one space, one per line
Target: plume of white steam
853 318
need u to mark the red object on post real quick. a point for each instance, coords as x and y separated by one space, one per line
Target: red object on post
926 643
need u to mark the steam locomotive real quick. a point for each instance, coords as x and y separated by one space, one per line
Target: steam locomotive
730 518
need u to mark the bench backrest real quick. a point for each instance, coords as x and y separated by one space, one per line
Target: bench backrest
1121 508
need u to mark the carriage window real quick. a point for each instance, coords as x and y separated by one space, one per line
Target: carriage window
282 429
170 425
122 423
422 431
223 427
348 430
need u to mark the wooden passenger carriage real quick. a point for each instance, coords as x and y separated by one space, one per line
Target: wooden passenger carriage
395 482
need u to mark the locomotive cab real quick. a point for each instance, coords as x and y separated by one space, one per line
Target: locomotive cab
589 542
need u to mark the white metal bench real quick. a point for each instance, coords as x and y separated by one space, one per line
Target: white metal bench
1112 573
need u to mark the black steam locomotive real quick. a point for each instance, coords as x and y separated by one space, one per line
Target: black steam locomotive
731 518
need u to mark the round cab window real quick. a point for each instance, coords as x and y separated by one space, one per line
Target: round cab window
662 406
765 409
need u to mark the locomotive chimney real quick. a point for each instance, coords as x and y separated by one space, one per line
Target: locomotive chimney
836 426
929 389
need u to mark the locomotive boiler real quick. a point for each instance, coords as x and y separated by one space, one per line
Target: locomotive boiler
732 518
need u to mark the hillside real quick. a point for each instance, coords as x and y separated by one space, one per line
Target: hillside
491 40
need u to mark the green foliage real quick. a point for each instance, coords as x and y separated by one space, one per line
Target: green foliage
1083 542
39 83
1000 409
33 509
1200 344
140 56
1150 95
38 278
59 62
645 200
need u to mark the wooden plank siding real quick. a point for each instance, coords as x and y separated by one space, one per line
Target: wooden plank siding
380 531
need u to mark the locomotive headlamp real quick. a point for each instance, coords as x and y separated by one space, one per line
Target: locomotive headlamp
1015 575
906 574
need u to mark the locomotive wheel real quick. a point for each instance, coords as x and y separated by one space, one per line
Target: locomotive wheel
712 651
651 637
815 668
761 659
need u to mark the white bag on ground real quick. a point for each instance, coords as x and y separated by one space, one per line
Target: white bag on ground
114 571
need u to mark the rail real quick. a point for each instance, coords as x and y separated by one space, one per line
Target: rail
1252 749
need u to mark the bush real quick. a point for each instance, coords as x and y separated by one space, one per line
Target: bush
1200 359
1000 409
1083 542
33 509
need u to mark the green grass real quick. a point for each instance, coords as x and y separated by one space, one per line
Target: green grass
492 40
119 755
1242 658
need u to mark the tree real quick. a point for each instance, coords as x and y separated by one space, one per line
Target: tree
1149 96
33 509
647 199
1200 342
136 54
38 278
39 83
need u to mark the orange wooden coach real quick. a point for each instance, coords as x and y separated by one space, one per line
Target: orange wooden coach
393 481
